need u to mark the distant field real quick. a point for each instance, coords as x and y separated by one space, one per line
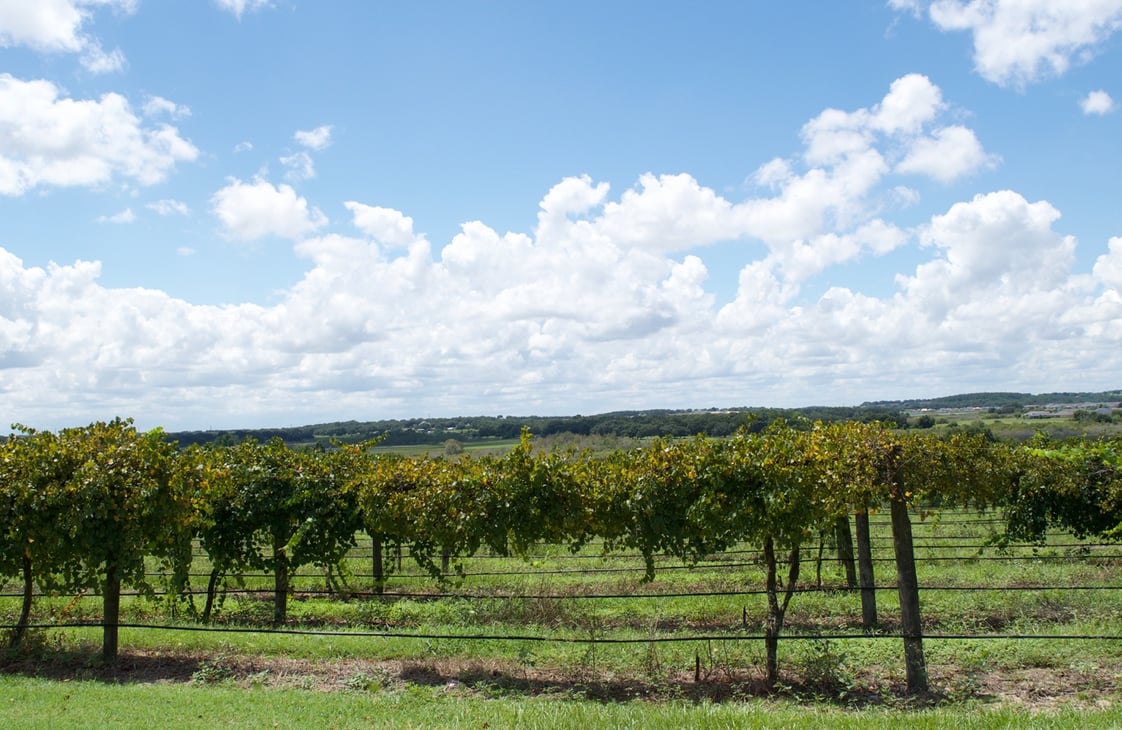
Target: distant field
1019 428
530 643
1004 427
498 446
557 442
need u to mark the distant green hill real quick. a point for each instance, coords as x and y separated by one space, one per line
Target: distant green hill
998 400
473 429
634 424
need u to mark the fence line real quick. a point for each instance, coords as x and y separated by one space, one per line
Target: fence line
705 565
363 550
568 639
369 595
924 543
1087 556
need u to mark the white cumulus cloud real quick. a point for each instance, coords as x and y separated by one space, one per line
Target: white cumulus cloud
169 207
250 211
125 216
563 318
49 139
604 304
948 154
1097 102
56 26
240 7
97 61
384 225
315 139
912 6
1017 42
816 208
995 241
300 166
159 106
1108 267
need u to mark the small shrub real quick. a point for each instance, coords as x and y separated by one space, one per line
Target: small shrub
213 671
823 670
36 643
373 681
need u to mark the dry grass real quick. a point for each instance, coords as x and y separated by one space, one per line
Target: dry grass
1037 689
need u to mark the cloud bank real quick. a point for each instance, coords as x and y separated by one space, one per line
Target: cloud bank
602 305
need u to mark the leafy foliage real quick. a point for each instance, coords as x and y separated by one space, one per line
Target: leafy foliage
268 507
86 507
1075 486
91 504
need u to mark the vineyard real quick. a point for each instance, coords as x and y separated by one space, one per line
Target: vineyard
791 558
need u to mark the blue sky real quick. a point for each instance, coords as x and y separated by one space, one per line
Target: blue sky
230 213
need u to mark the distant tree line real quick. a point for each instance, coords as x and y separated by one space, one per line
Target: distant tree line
998 400
717 422
630 424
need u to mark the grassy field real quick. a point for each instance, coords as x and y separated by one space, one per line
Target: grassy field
1015 427
431 655
34 703
553 443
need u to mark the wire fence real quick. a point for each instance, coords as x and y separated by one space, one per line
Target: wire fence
1089 557
935 542
497 595
562 639
307 581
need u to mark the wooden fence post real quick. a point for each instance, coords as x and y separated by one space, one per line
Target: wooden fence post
865 568
844 539
908 587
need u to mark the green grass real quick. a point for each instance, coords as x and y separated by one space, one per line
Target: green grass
857 681
1014 427
37 703
475 448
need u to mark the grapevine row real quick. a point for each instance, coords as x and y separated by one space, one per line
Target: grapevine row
86 507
